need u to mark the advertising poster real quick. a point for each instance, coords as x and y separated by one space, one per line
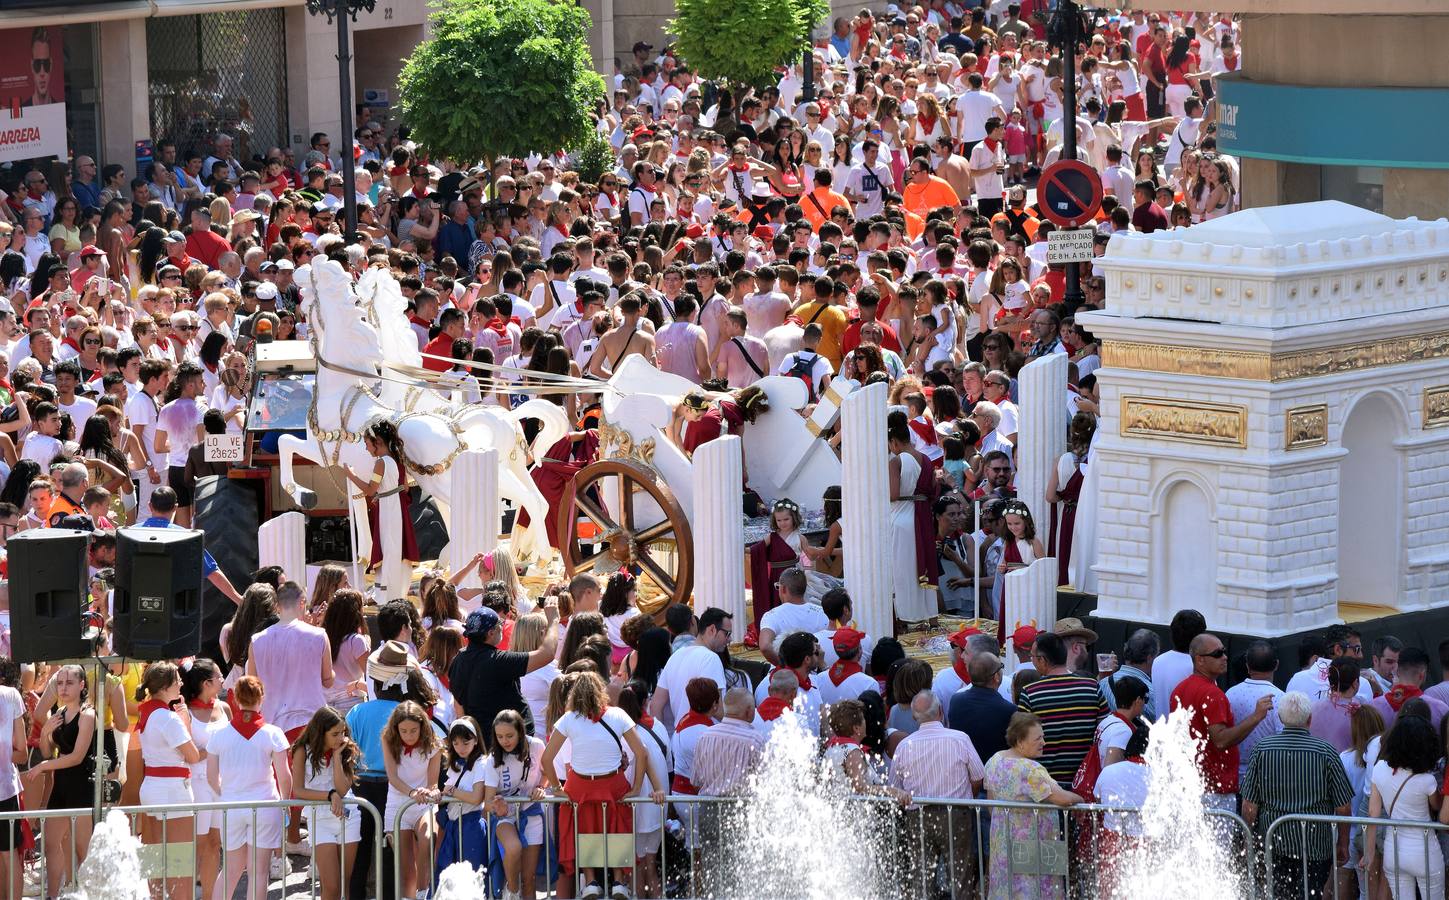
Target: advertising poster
32 93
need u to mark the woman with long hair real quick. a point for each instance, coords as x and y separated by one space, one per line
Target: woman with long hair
596 781
201 686
67 751
463 837
1405 789
1180 80
511 777
324 767
440 606
258 610
152 253
382 441
581 627
411 752
163 728
351 643
621 593
331 578
65 230
437 654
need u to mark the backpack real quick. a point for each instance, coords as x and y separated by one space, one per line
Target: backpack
804 369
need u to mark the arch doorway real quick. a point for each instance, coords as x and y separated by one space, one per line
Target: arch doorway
1186 571
1370 505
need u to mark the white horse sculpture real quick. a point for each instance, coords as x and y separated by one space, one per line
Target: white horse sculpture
350 393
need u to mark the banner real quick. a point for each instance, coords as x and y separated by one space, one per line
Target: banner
32 94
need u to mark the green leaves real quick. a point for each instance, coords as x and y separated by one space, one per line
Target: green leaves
742 41
501 78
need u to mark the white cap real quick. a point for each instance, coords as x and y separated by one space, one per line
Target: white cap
266 291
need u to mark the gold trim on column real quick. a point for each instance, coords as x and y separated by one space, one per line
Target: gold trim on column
1436 406
1194 422
1175 359
1306 426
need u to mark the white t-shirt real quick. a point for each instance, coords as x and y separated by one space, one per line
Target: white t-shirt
1168 671
989 186
594 751
245 765
872 184
788 618
1123 784
1183 137
508 779
141 410
535 687
41 448
80 411
465 781
12 707
1313 681
975 108
179 419
685 665
1113 733
164 732
820 367
648 816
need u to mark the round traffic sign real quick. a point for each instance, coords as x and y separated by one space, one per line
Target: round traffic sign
1069 192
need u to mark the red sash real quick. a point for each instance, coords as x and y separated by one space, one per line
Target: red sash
167 772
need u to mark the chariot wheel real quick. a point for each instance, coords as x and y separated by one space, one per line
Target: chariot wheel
638 523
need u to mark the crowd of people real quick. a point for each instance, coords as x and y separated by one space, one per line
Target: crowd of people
876 226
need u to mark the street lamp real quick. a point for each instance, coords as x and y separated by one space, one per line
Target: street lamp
341 11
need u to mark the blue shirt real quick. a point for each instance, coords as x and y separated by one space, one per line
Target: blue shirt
1149 709
981 714
208 565
366 721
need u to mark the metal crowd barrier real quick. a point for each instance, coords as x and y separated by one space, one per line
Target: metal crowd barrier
1417 856
174 861
929 860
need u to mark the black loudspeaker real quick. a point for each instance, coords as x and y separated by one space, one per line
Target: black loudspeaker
158 593
47 591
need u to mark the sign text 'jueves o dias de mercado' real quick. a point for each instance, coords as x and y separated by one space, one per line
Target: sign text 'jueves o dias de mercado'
1334 126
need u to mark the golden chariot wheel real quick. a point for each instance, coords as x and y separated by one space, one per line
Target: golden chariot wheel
663 551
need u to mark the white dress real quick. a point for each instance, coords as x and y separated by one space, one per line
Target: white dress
913 602
817 584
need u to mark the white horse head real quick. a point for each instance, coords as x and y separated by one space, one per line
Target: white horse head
344 336
382 299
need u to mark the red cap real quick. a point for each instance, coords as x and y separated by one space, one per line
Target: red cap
959 638
90 250
764 233
695 230
1024 635
641 132
847 638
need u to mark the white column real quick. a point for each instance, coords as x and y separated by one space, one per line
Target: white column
865 506
1041 432
476 513
1031 597
282 541
719 539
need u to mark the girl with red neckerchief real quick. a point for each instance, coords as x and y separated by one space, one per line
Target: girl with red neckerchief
412 756
201 686
324 765
247 761
163 728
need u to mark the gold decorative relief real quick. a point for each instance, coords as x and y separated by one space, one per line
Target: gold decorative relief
1196 422
1178 359
1436 406
616 443
1306 426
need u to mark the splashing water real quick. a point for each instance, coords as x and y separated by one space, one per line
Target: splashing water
461 881
799 834
112 867
1178 837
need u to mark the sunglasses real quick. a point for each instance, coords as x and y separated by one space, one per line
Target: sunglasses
40 65
1216 654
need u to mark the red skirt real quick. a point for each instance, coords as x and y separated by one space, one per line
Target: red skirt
1136 108
1111 848
587 813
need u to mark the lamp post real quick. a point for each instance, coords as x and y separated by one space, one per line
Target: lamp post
1065 29
341 11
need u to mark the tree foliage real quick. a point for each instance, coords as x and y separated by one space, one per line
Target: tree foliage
742 41
501 78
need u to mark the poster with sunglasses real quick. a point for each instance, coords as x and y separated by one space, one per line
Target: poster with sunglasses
32 89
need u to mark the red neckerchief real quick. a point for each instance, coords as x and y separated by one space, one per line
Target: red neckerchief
804 679
613 198
771 709
409 748
923 429
958 665
443 680
562 230
144 712
497 326
927 125
842 670
248 723
991 144
1400 694
692 718
422 323
603 709
205 708
842 741
327 758
646 720
70 342
178 345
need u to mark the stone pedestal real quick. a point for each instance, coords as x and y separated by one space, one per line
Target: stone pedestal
719 539
1031 599
282 541
473 527
865 503
1041 432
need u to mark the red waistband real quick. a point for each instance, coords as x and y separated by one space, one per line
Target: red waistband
167 772
682 785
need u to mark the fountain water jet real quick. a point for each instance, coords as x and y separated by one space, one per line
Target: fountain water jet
112 867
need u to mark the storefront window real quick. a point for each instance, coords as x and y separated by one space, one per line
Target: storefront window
82 83
1361 186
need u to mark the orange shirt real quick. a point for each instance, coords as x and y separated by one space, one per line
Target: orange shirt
819 202
922 198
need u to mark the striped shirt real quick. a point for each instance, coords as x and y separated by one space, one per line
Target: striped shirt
1295 772
725 757
937 762
1069 706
